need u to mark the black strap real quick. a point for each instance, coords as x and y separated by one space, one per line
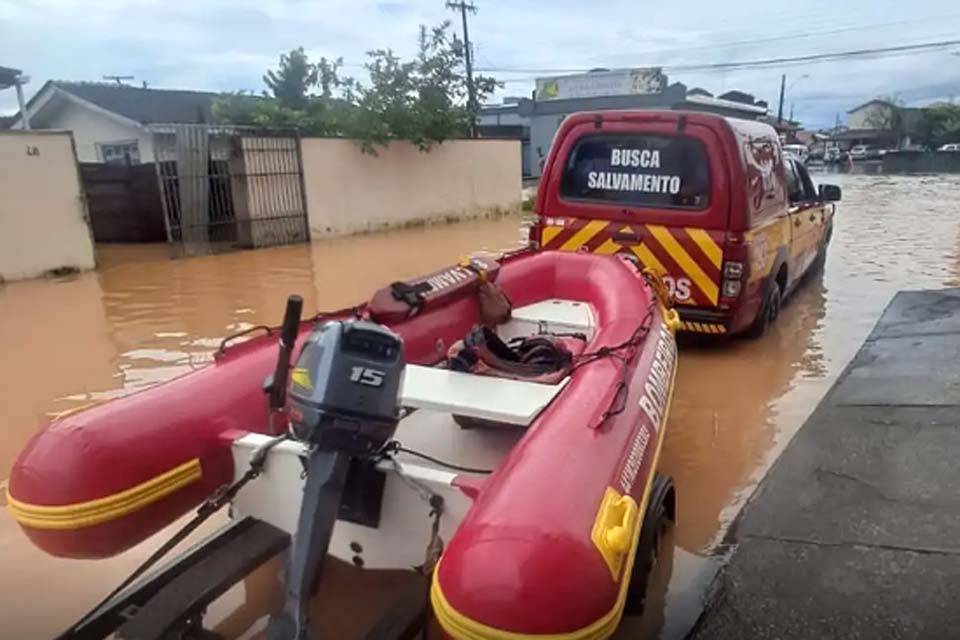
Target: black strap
213 504
413 295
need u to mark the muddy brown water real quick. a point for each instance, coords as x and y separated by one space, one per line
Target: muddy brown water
142 318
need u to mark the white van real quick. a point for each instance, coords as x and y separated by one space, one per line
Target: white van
798 150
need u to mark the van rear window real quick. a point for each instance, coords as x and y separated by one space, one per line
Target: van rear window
644 170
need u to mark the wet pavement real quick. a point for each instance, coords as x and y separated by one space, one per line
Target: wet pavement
854 532
142 318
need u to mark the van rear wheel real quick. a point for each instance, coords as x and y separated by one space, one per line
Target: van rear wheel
656 519
768 312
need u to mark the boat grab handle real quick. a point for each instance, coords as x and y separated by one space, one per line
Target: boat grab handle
615 529
222 349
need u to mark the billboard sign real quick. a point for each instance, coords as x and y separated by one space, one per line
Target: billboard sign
602 83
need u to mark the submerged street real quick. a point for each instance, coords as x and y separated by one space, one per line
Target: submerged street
142 318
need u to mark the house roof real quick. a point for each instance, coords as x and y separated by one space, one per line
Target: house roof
870 102
8 76
735 105
737 96
134 105
145 106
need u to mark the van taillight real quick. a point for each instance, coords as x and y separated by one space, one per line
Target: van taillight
735 265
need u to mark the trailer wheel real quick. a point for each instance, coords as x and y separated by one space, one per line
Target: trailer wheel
660 514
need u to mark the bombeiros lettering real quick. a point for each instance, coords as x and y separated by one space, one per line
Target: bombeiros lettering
653 403
656 390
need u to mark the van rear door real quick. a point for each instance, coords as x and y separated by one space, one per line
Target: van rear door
642 187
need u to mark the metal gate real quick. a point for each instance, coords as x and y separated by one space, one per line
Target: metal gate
227 188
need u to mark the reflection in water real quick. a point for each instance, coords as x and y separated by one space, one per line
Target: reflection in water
143 318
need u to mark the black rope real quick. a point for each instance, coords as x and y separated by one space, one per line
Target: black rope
394 446
618 403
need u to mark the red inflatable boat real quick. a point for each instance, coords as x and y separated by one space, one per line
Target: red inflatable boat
544 546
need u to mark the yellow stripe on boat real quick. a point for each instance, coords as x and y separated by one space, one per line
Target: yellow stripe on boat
92 512
461 627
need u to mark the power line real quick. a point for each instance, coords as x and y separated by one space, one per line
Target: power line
796 35
766 62
839 55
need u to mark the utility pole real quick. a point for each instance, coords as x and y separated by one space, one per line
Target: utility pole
464 7
783 87
791 112
118 79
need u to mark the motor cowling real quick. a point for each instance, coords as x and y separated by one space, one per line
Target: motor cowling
344 391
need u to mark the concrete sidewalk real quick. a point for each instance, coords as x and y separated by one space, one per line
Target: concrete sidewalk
855 531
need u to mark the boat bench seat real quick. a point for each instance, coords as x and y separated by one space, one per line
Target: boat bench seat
551 316
516 402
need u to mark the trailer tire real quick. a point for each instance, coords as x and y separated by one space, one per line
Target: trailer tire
659 515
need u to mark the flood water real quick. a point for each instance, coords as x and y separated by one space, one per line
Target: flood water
142 318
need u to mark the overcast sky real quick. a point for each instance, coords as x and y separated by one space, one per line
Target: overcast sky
225 45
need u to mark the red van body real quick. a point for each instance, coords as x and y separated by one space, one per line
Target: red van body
712 203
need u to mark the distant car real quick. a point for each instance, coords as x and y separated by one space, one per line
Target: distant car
832 154
953 146
859 152
798 150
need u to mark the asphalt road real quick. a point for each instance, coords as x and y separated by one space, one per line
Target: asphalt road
855 531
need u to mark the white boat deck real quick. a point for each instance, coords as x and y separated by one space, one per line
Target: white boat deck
436 395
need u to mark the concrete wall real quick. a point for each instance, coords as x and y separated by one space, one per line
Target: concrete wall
43 222
921 162
91 128
352 192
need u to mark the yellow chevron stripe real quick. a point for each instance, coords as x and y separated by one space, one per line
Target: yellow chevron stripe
583 236
549 233
707 245
647 258
608 248
683 259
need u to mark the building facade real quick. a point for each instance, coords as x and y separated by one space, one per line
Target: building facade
555 98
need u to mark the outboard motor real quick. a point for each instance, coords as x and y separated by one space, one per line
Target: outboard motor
345 388
343 400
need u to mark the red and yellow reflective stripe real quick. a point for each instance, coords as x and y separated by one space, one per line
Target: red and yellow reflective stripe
680 252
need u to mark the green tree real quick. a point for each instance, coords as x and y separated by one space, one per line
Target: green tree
292 80
940 124
423 100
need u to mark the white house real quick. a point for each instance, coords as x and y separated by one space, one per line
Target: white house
115 123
